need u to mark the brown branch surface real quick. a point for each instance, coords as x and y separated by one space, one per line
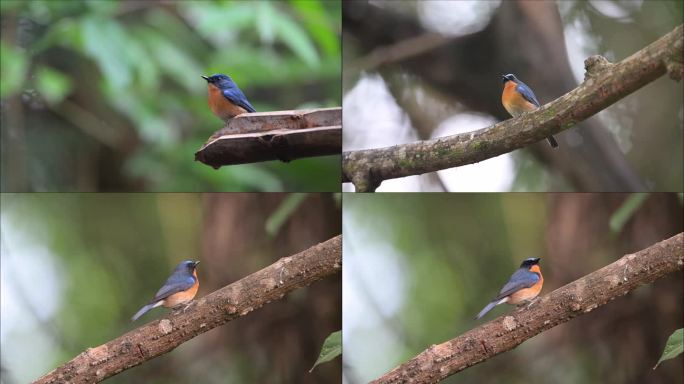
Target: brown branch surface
281 135
574 299
228 303
604 84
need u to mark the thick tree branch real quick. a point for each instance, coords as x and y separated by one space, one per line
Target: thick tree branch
604 84
281 135
574 299
228 303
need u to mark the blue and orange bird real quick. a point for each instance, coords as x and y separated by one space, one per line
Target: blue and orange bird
226 99
517 98
180 288
523 286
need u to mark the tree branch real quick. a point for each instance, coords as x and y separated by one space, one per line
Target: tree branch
281 135
226 304
574 299
604 84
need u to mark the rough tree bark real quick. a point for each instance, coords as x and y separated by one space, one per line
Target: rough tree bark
604 84
281 135
228 303
574 299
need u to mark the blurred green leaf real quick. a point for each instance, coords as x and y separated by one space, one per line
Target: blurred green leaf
292 35
13 67
52 85
332 347
219 22
284 211
321 28
626 211
105 41
265 20
674 346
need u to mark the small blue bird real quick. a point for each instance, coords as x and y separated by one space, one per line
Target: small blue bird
226 100
180 288
523 286
517 98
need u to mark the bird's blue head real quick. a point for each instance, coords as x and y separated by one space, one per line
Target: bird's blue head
187 266
510 77
220 80
527 263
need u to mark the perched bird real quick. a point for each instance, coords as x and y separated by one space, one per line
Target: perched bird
180 288
523 286
517 98
226 100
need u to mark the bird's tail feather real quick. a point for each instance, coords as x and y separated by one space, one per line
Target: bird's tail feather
144 310
552 141
490 306
486 309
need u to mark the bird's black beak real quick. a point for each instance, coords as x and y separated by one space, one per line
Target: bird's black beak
196 262
208 81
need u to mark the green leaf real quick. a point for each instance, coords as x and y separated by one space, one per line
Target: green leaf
266 16
52 85
674 346
284 211
13 64
292 35
626 211
332 347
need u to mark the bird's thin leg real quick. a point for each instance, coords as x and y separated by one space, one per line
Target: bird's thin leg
532 302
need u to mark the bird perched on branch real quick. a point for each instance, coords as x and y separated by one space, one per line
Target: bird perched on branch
517 98
180 288
226 99
523 286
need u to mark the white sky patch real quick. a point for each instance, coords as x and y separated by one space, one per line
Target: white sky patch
456 18
373 290
31 291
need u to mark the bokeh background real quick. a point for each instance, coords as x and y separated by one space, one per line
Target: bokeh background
76 267
419 267
107 95
424 69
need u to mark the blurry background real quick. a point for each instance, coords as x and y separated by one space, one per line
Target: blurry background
107 95
423 69
76 267
419 267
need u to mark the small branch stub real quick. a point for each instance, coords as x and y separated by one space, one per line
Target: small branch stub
281 135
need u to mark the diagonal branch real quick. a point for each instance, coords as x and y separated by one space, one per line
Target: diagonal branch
604 84
226 304
574 299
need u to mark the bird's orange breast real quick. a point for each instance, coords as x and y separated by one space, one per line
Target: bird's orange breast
530 293
222 107
513 101
182 297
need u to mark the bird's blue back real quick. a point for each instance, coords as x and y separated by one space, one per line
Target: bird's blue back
522 278
231 92
180 280
527 93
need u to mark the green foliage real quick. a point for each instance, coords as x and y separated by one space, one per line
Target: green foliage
674 346
284 211
626 211
13 66
53 85
332 347
136 67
